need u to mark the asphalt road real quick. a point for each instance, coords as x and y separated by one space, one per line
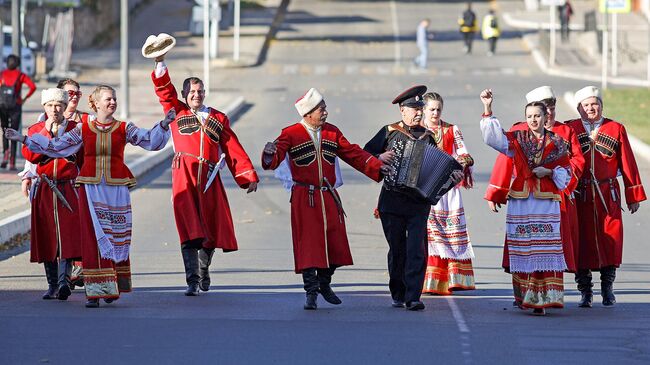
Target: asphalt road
349 51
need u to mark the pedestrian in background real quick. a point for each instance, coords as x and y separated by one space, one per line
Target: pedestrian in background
490 31
422 41
565 12
11 105
468 26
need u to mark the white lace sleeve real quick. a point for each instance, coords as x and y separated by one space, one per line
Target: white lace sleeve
494 136
66 145
152 139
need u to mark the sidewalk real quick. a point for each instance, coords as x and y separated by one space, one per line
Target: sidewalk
579 58
102 66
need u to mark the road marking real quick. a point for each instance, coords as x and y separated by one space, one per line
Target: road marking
463 328
398 50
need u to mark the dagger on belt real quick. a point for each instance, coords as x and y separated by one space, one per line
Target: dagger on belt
213 170
597 188
56 191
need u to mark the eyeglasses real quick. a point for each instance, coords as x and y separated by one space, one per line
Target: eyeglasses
72 93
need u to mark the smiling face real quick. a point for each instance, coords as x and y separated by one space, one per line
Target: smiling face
317 116
195 95
591 109
535 118
54 111
432 113
74 95
411 116
107 103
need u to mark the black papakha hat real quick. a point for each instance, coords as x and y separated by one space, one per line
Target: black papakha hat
411 97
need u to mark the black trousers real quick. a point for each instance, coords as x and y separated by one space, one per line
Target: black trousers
468 37
407 254
10 118
493 44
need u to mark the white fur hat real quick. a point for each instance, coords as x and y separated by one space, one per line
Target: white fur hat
54 94
158 45
308 102
586 92
539 94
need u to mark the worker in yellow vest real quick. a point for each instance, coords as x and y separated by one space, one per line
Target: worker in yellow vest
490 31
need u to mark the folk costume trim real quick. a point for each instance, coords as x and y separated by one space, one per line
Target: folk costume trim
328 149
605 144
213 128
303 154
188 124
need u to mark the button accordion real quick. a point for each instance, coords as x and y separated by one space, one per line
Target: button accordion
421 170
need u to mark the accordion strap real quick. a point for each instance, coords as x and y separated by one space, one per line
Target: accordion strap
398 127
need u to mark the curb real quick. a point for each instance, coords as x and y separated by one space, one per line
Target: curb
541 63
639 147
529 24
20 223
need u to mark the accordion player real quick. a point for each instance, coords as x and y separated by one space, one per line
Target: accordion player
421 170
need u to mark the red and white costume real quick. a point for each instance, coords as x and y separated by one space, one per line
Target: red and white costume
203 141
607 152
533 239
501 178
317 221
449 264
105 203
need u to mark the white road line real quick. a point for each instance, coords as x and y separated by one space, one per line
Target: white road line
458 315
398 50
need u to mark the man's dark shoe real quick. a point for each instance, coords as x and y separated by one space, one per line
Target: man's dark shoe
586 300
51 293
415 306
329 295
64 292
310 303
109 300
92 303
192 290
398 303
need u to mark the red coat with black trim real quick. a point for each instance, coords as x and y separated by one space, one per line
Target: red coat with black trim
317 222
54 228
601 225
198 146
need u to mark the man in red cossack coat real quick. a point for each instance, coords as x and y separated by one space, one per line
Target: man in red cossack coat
203 144
607 151
499 186
311 148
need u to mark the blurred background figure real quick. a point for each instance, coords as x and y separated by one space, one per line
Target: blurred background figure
565 12
490 31
468 26
11 105
422 41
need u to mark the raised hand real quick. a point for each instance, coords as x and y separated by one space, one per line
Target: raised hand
487 98
169 118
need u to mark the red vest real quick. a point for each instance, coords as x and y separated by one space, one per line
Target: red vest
104 155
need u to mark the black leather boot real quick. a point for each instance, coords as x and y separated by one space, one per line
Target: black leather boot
51 270
607 277
92 303
65 269
324 280
205 259
191 262
5 159
311 284
583 279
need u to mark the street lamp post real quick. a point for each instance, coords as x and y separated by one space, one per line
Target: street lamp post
124 58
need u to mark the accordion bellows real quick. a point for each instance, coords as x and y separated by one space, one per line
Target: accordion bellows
421 170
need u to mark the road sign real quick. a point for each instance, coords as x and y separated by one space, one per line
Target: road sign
614 6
